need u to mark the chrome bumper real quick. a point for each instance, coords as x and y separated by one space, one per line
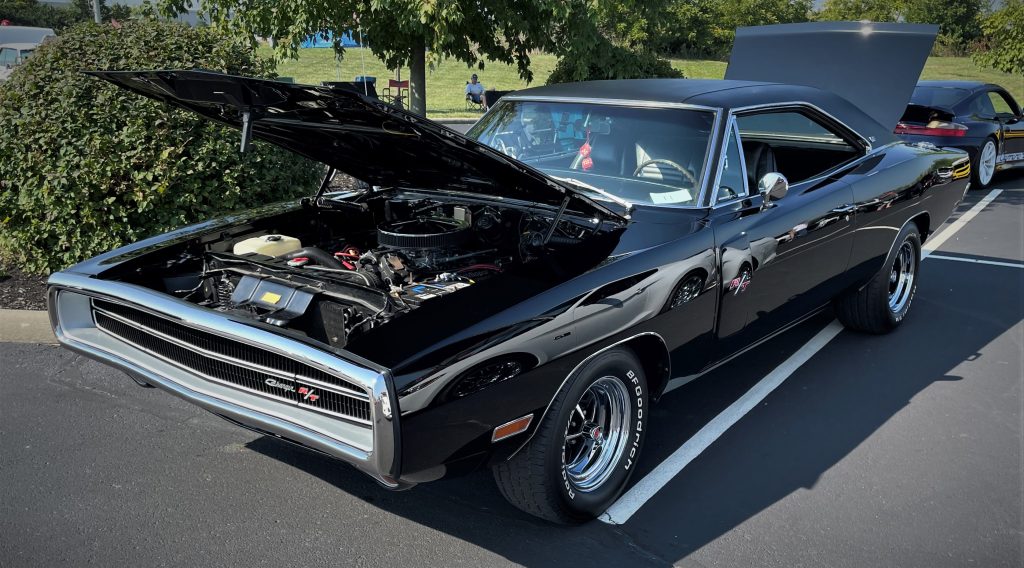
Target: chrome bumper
372 447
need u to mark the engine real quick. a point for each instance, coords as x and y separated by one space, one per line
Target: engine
332 283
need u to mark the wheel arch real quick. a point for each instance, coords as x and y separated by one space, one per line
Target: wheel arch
923 221
652 352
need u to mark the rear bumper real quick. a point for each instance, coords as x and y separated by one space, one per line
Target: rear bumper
369 445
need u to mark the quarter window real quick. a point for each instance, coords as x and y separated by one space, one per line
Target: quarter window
7 57
1000 105
732 182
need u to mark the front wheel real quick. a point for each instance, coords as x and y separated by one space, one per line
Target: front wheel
882 305
587 446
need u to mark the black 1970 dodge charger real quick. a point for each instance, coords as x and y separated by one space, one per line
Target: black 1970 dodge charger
519 297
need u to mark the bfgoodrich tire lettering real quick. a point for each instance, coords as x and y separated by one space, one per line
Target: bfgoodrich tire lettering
882 305
587 446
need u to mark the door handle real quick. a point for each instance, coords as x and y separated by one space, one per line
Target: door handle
848 208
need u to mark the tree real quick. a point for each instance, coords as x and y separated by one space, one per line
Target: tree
856 10
1004 35
693 28
608 39
740 13
400 32
958 20
421 32
61 17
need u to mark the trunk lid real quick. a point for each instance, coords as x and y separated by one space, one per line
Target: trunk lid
873 65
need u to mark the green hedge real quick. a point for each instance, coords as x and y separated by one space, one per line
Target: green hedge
86 166
611 62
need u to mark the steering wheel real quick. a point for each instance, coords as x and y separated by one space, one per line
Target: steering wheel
686 173
506 149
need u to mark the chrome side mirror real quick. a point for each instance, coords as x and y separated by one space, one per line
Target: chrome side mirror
773 186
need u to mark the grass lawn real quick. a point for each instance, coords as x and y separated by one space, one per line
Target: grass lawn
446 83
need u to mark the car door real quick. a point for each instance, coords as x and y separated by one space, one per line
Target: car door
780 259
1008 113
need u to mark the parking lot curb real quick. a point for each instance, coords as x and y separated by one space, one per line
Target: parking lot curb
26 326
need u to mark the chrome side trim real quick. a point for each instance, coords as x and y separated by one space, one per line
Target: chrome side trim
572 373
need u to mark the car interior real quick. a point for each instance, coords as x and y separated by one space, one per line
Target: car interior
792 144
627 151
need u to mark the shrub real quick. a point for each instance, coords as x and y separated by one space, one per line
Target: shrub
615 62
36 14
1004 38
86 166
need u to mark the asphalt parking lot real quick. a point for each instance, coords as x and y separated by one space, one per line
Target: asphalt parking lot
902 450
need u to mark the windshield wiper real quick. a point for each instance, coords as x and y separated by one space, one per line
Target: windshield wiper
586 186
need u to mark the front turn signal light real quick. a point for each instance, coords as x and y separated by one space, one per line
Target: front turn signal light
509 429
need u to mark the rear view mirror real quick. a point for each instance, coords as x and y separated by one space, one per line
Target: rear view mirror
773 186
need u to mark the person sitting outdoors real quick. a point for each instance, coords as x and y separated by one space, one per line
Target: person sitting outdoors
475 92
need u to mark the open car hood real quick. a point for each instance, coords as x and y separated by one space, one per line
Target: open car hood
365 138
873 65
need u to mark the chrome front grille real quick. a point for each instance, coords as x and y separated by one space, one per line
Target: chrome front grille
232 362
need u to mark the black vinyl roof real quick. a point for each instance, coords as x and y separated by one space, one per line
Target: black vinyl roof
718 93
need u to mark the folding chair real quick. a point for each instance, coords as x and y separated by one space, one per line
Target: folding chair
473 105
396 92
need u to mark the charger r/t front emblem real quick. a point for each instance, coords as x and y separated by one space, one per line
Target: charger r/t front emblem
308 394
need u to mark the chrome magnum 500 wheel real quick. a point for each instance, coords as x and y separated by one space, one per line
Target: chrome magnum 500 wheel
882 304
587 446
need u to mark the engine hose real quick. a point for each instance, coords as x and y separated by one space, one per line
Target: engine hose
317 255
557 240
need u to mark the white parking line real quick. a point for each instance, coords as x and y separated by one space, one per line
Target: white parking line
631 501
977 261
942 236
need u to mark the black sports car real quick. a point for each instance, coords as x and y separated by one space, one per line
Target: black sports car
981 118
519 297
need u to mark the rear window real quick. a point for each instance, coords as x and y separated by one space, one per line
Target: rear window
938 96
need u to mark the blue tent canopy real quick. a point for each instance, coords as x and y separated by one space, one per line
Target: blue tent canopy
347 40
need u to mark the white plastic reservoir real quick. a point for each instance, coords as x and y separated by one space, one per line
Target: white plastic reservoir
268 245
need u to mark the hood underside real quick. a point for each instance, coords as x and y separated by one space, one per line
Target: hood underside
365 138
875 66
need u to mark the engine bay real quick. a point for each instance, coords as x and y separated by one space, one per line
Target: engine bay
340 268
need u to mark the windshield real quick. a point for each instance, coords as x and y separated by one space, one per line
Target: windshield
640 155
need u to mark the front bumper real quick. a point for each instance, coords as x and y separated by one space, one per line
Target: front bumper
370 445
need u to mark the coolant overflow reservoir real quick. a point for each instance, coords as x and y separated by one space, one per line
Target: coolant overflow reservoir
268 245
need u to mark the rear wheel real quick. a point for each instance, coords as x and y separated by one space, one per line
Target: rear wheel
587 446
985 164
882 305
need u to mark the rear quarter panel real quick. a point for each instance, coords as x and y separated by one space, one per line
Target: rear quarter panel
899 183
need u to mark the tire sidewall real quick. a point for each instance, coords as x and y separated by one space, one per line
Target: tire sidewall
622 365
911 235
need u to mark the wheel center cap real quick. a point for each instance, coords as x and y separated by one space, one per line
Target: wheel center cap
596 434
